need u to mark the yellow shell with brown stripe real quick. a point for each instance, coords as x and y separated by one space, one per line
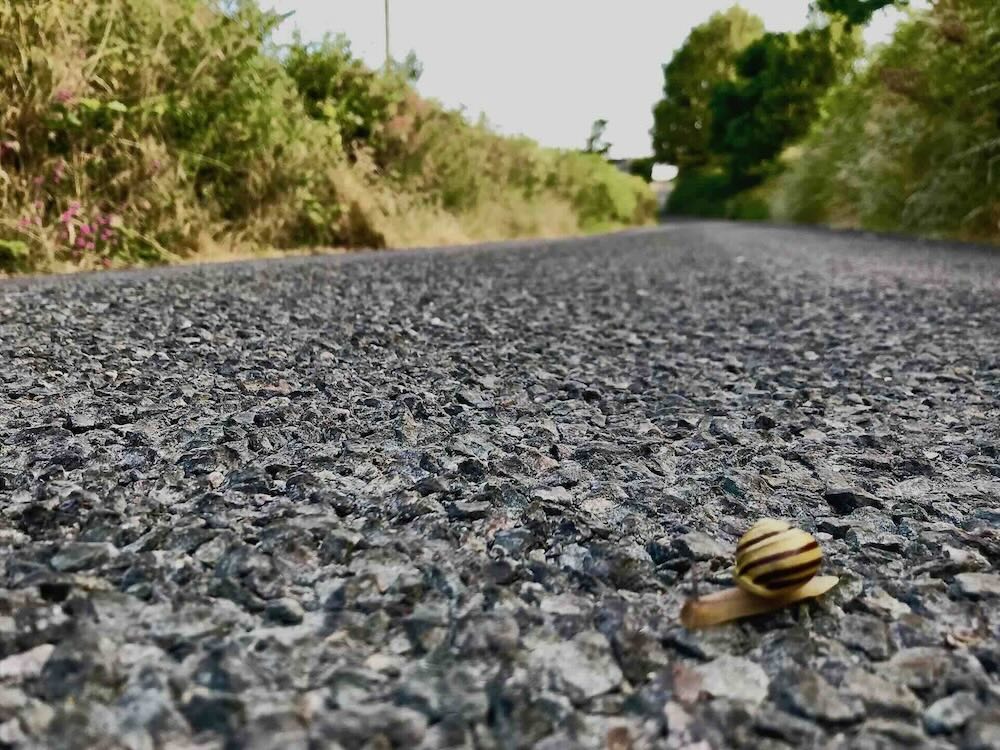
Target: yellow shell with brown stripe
774 558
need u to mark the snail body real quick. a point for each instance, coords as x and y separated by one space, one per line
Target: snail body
776 565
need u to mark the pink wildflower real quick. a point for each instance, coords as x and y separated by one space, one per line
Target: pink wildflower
38 220
80 242
70 212
38 180
24 222
63 95
106 235
85 229
90 246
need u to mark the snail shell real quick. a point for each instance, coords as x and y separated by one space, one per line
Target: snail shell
774 559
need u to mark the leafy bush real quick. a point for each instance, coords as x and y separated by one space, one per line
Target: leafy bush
700 193
138 131
912 142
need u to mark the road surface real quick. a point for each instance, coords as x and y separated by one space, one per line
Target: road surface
457 498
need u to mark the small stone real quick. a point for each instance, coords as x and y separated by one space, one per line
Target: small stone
584 665
285 611
27 664
952 713
919 668
978 585
77 556
865 633
843 500
338 546
213 711
901 733
699 546
965 560
983 732
806 694
880 696
734 678
468 510
11 734
880 603
515 542
371 724
861 538
473 398
796 731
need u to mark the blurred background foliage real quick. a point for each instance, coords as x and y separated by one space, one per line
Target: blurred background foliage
812 127
145 131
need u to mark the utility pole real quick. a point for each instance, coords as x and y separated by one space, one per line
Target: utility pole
386 34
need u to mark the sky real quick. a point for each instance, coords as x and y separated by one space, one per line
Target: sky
542 68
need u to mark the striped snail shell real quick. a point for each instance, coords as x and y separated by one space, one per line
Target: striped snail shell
774 559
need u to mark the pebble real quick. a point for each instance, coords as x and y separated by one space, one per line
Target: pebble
808 695
978 585
951 713
734 678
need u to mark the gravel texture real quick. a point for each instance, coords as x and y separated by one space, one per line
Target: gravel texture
457 498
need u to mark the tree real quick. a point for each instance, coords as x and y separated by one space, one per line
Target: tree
775 97
411 68
855 11
596 143
682 119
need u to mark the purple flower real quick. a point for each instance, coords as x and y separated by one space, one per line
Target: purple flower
80 242
70 212
90 246
85 229
106 235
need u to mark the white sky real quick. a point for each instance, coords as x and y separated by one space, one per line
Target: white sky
543 68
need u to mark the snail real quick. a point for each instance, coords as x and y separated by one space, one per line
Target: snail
776 565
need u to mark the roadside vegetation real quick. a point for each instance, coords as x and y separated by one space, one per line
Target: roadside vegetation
811 127
149 131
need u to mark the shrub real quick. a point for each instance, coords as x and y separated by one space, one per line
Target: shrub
700 193
912 142
137 131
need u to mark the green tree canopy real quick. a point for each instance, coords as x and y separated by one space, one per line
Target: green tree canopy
855 11
775 96
682 119
596 143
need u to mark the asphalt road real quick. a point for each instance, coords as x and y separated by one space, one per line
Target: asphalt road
457 498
